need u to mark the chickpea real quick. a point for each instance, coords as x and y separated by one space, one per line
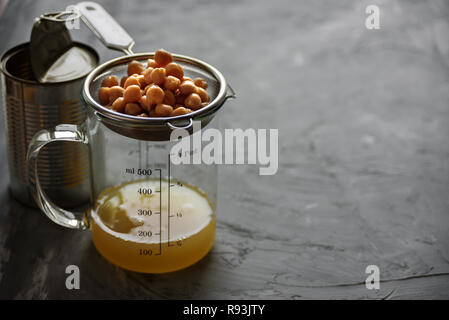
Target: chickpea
109 81
203 94
162 57
133 109
158 76
146 105
135 67
141 79
132 93
103 95
174 69
200 83
193 101
155 94
169 98
151 64
131 81
123 80
179 98
171 83
187 87
119 105
158 89
147 75
115 92
180 111
163 110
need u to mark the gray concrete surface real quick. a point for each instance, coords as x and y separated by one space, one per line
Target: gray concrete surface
363 178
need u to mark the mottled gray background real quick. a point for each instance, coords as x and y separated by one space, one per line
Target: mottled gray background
363 119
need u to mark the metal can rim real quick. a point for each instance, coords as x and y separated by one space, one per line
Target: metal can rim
12 51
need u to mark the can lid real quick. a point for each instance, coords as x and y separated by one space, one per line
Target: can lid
54 56
15 63
75 62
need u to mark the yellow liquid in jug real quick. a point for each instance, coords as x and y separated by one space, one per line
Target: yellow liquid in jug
128 230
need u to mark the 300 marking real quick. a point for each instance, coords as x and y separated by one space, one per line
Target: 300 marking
144 212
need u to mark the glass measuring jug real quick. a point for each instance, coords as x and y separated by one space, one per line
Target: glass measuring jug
146 214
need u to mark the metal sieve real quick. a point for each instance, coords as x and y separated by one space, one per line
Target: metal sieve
155 129
151 129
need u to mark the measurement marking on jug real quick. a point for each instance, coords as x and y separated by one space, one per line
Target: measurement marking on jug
145 191
139 171
168 204
143 233
145 252
145 212
160 210
178 184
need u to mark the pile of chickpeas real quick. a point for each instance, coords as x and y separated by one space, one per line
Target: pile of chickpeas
158 90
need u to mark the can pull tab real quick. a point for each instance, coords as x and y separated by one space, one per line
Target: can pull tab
105 27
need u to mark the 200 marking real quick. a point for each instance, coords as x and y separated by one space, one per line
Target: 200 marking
143 233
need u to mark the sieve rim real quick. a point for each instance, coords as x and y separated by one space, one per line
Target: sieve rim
109 114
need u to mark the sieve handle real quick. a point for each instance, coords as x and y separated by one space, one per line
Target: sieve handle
63 132
105 27
230 93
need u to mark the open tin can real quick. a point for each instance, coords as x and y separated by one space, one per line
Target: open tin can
30 106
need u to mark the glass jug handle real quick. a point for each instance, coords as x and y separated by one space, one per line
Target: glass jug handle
63 132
